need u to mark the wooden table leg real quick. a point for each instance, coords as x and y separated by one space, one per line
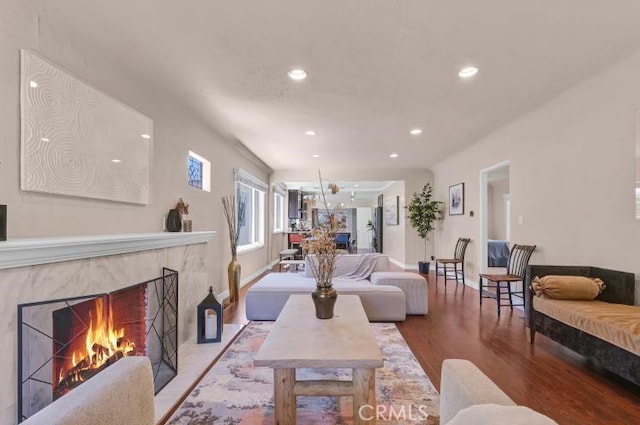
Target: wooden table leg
364 396
285 400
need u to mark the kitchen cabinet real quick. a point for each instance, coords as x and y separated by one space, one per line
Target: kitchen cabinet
295 204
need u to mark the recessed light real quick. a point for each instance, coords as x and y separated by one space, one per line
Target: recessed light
33 84
393 155
416 131
468 72
356 185
44 139
315 155
297 74
116 160
310 133
145 136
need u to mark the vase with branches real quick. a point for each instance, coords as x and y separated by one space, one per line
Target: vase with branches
234 215
321 254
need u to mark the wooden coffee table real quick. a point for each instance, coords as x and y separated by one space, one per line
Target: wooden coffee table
298 340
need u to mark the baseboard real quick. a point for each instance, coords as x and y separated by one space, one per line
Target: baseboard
472 283
225 294
402 265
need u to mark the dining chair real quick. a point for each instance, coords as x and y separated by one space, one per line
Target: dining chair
295 242
498 285
343 240
450 265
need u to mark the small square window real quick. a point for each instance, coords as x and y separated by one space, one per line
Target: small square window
198 172
195 172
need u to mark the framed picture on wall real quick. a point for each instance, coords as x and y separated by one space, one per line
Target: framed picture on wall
456 199
391 205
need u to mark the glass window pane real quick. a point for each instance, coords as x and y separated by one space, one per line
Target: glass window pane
278 204
245 201
195 172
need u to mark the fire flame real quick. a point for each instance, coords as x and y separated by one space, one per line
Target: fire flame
102 343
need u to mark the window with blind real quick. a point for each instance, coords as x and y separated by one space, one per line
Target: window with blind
278 212
250 195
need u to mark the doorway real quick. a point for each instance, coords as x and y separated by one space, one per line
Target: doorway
495 217
364 234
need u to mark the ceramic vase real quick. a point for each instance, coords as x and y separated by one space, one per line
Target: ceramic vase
174 221
234 280
324 299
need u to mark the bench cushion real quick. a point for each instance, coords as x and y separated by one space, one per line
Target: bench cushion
617 324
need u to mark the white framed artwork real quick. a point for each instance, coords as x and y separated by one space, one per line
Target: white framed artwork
391 206
77 140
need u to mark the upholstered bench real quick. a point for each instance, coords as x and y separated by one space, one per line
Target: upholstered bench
605 329
413 285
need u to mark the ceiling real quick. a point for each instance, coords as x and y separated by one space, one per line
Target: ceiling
351 193
376 68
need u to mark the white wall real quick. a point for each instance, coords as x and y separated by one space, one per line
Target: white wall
176 131
393 236
498 214
571 176
365 236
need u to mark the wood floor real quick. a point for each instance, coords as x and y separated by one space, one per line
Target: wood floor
544 376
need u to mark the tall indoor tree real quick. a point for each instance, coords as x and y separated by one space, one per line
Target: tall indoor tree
423 213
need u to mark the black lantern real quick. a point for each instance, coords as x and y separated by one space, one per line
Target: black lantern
209 319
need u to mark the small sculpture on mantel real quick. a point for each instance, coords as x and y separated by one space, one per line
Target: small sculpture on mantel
174 218
182 207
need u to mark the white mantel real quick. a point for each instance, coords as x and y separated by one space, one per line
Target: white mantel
33 251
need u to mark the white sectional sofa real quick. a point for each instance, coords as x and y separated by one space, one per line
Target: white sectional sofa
386 296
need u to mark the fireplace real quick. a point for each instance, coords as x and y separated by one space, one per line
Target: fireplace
62 343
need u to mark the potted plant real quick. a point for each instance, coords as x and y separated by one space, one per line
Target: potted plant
370 227
423 212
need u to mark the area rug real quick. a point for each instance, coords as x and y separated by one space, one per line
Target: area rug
235 392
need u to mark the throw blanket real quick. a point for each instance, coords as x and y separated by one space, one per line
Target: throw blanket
363 268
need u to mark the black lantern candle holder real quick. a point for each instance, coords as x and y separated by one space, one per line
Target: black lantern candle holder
209 319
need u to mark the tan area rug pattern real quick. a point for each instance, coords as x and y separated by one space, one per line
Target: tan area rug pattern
235 392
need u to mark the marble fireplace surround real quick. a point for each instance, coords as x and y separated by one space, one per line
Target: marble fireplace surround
51 268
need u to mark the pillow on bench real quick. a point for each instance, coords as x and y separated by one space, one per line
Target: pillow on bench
568 287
